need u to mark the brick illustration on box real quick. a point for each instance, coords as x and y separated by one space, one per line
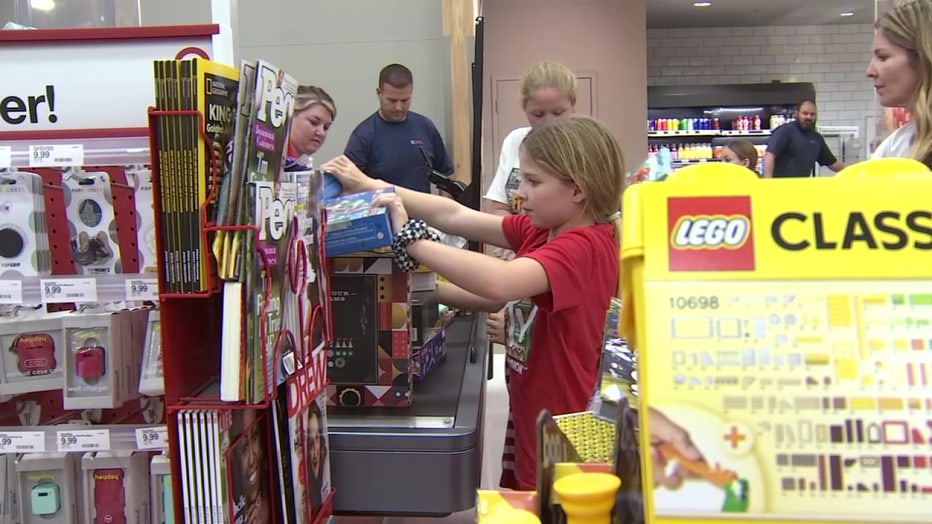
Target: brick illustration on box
427 357
369 359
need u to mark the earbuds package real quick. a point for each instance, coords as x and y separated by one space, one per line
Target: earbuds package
24 241
161 499
91 222
47 488
116 487
32 349
151 381
141 180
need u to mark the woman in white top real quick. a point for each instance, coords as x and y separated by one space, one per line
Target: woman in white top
900 68
548 92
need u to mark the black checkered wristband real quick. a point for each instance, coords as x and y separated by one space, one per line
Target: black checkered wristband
412 231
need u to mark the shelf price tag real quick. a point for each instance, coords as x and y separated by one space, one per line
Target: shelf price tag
22 442
56 156
152 438
84 440
142 289
6 157
65 291
11 292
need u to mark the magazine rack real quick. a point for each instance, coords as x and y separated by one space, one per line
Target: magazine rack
192 326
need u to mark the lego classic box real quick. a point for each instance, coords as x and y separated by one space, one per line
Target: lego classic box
369 358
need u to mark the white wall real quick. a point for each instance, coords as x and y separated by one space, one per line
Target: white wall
174 12
604 37
341 46
832 57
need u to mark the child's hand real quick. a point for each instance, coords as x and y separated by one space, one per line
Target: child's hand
664 431
396 209
495 327
353 180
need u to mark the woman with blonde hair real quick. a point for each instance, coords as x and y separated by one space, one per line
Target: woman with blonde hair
901 68
314 113
566 241
548 92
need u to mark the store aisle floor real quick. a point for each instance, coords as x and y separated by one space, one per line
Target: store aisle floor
496 416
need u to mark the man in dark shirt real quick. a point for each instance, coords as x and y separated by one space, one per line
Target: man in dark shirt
795 147
396 144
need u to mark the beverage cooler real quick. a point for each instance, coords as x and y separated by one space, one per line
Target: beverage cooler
696 122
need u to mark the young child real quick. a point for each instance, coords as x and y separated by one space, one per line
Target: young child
566 245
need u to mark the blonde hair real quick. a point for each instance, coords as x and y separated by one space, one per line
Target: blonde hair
909 25
581 150
309 96
548 74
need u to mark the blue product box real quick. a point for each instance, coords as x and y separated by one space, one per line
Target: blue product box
353 225
332 187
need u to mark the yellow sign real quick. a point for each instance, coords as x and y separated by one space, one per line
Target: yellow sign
785 326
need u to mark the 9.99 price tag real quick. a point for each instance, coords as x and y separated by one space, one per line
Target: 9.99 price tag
84 440
152 438
64 291
22 442
56 156
6 157
142 289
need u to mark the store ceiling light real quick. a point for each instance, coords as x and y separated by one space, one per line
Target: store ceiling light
702 4
42 5
847 13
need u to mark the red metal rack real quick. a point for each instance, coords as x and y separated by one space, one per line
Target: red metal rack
192 322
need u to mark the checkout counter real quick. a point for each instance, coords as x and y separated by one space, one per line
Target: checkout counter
425 460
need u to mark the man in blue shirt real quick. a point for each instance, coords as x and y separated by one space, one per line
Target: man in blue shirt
396 144
795 147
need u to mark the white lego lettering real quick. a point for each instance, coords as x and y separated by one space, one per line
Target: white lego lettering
728 232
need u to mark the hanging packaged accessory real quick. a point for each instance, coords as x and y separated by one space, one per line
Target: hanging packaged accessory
24 243
91 222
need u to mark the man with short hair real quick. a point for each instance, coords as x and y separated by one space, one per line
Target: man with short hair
795 147
396 144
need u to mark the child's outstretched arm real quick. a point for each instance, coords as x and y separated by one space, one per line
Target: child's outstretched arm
488 277
439 212
455 296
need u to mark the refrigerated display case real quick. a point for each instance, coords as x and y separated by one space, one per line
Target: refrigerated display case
696 122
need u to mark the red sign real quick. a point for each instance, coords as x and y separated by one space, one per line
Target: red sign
710 234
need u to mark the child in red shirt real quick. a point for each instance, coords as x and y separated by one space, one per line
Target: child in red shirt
566 245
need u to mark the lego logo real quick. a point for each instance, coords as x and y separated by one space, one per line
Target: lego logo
727 232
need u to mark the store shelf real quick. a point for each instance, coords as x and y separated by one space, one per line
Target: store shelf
83 438
111 151
76 289
674 134
664 134
762 132
690 162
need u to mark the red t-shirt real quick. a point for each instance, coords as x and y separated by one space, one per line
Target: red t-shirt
554 340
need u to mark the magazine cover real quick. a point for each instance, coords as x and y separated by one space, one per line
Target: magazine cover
301 433
248 471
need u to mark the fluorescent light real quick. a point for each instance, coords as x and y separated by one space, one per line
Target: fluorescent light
847 13
702 4
42 5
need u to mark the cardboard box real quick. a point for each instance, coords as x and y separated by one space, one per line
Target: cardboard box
354 225
369 359
425 313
